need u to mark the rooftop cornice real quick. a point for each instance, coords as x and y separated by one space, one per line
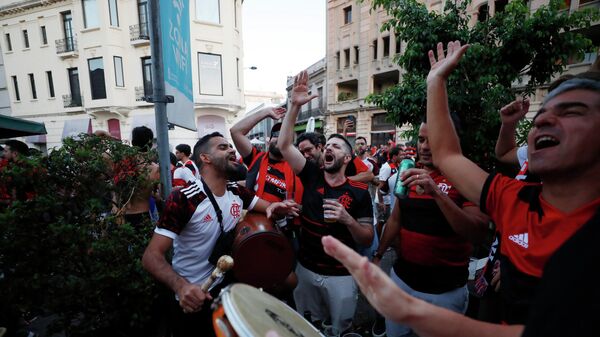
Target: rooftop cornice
23 6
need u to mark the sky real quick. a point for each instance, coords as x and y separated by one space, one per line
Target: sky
281 38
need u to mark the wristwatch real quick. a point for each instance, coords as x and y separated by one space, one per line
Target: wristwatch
377 255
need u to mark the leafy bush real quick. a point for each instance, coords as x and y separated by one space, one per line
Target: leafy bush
61 248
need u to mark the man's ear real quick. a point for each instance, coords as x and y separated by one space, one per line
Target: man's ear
204 158
347 158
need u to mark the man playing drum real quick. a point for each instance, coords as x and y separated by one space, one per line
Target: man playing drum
331 205
191 224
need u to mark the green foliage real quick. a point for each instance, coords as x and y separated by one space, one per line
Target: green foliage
345 96
62 250
513 51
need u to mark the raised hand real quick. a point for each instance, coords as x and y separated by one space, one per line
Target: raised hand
443 66
513 112
276 113
300 94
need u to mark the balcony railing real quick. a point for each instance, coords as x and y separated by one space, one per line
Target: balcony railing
304 115
142 94
71 101
66 45
139 32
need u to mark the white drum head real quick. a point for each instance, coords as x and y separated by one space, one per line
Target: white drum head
252 312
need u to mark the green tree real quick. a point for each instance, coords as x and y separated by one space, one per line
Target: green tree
63 251
512 52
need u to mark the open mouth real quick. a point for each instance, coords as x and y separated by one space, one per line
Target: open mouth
543 142
329 158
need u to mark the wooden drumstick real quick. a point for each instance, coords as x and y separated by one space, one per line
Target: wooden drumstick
224 264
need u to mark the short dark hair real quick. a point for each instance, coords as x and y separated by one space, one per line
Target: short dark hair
18 146
348 145
394 151
141 137
361 137
314 138
184 148
173 158
203 146
585 83
455 121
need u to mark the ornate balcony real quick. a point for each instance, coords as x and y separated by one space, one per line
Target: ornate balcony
305 115
66 47
70 101
139 35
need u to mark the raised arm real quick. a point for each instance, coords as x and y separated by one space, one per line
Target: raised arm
299 97
241 128
465 174
510 115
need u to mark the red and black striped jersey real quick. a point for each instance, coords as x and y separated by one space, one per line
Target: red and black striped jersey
432 257
270 179
530 230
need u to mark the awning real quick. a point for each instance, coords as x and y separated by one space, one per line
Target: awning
74 127
37 139
16 127
302 127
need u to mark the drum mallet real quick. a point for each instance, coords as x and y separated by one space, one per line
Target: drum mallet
224 264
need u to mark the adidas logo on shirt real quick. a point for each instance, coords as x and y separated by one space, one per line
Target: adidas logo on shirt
207 218
520 239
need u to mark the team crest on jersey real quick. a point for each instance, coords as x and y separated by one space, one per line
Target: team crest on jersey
444 187
235 210
345 200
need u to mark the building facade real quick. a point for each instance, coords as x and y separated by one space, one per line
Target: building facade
359 63
315 109
85 65
4 95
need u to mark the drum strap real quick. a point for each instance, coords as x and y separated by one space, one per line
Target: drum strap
214 203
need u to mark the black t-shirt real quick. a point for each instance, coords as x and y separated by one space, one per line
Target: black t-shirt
356 199
567 302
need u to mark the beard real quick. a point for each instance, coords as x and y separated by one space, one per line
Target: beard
225 165
274 150
336 166
239 173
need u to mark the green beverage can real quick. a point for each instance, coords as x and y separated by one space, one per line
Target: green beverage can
400 190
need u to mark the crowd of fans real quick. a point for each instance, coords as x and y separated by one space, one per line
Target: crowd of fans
336 204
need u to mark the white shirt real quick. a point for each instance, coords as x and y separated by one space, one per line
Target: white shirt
194 234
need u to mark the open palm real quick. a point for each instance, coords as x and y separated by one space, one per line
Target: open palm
443 66
300 93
